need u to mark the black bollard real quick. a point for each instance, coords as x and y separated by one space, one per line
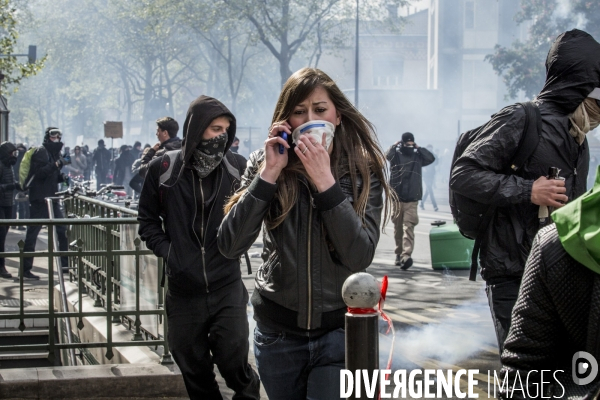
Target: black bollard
361 295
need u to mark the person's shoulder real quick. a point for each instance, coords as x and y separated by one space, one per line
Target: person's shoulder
551 249
240 159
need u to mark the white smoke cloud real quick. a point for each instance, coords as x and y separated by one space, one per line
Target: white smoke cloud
564 10
463 332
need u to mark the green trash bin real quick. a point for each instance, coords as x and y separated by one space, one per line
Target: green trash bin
449 248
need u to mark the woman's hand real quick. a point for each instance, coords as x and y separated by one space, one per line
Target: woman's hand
275 162
315 158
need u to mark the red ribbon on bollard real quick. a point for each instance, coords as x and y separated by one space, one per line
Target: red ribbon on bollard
353 310
384 287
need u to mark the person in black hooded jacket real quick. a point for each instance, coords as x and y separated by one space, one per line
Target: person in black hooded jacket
45 167
567 114
8 184
185 191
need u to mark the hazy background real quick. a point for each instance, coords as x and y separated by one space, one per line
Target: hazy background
422 63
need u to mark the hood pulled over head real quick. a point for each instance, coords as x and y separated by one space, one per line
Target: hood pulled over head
572 70
6 150
201 113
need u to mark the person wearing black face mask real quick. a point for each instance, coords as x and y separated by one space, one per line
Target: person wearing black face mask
406 161
8 158
46 164
179 213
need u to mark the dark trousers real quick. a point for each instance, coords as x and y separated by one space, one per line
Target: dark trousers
209 329
5 213
502 296
39 210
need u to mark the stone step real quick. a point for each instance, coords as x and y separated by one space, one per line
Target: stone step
26 332
15 355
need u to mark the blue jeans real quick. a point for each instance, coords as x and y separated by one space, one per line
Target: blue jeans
300 367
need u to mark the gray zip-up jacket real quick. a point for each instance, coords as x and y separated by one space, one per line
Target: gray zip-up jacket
309 255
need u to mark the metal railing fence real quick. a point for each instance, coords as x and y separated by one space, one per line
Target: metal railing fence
95 256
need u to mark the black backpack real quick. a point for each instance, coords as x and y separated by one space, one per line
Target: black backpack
472 217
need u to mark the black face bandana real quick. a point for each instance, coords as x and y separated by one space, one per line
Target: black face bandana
407 151
54 147
209 154
235 148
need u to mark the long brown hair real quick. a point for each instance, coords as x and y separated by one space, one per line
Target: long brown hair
356 150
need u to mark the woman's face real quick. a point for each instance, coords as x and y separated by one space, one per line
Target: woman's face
317 105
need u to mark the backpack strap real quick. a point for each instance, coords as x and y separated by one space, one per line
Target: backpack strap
531 135
229 160
234 171
529 141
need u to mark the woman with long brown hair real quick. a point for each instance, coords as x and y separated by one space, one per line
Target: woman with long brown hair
319 197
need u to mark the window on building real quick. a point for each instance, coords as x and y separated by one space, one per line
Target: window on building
469 15
388 70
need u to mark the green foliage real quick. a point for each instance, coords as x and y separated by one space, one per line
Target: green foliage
522 66
12 68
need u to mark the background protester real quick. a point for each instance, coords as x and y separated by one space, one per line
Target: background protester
102 160
567 114
78 163
8 184
429 180
166 132
123 168
320 201
406 162
46 164
206 299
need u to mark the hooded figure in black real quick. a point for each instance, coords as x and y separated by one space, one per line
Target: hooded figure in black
184 192
482 172
8 184
45 175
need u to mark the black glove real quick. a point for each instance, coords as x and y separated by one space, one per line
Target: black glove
18 187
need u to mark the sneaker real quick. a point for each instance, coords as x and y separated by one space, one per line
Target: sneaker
398 260
29 275
406 264
422 207
435 208
5 274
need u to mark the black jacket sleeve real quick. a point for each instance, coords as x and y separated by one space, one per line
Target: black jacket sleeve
242 225
41 167
353 241
151 227
391 152
143 168
426 156
480 173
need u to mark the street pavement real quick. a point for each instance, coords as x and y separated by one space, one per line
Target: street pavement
441 319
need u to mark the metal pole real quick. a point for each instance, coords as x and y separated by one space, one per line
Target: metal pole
61 282
356 62
361 294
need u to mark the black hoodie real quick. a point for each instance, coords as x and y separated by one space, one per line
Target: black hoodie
191 208
573 71
46 174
